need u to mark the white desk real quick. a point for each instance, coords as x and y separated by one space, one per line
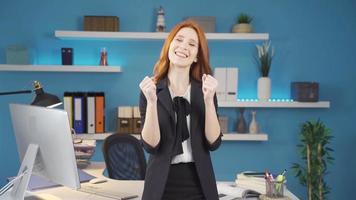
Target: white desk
97 169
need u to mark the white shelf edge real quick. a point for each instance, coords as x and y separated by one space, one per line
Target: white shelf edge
294 104
226 136
59 68
96 35
245 137
237 36
97 136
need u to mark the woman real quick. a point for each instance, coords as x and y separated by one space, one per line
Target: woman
180 125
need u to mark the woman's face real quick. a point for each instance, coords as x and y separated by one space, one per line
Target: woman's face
184 47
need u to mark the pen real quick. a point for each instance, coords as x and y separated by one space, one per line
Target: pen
271 178
129 197
285 170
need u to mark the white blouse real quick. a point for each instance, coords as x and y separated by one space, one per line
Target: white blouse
187 155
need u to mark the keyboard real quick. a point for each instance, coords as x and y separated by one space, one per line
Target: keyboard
105 192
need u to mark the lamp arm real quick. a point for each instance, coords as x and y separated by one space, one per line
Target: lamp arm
16 92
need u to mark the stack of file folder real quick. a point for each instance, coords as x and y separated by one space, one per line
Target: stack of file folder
86 111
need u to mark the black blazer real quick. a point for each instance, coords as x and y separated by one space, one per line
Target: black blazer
160 156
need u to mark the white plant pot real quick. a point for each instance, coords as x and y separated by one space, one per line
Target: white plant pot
264 88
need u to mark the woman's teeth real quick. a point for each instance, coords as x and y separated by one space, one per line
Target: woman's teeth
180 54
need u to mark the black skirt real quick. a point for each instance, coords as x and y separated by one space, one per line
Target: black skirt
183 183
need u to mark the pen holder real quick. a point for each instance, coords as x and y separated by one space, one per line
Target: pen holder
275 189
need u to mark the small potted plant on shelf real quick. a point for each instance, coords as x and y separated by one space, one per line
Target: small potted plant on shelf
264 58
243 24
314 150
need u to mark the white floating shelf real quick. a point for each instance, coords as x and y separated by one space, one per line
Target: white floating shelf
59 68
95 35
274 104
226 136
98 136
245 137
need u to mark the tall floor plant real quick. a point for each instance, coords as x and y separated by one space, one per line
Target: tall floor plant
315 152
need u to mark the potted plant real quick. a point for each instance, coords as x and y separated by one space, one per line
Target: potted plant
243 24
264 61
314 150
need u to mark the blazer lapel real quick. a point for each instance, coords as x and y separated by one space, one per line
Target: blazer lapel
197 105
164 96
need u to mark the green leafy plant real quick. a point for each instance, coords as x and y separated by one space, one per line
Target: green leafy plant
314 150
244 19
264 58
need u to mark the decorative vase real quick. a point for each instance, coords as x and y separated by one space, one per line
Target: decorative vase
241 123
253 128
264 88
104 57
242 28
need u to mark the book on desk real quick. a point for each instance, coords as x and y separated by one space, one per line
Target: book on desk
229 191
248 185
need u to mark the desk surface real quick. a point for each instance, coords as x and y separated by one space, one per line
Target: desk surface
96 169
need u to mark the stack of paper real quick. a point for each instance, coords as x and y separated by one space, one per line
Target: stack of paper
251 182
84 150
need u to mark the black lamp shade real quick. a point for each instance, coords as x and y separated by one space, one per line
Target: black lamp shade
45 99
41 99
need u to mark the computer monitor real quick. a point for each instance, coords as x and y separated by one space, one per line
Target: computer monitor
45 146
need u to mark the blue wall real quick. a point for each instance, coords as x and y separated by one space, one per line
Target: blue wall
313 41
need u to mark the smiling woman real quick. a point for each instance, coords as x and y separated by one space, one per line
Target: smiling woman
180 126
161 67
184 48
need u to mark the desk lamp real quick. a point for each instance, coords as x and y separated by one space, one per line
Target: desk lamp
41 99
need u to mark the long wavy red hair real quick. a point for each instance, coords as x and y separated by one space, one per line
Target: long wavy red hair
198 68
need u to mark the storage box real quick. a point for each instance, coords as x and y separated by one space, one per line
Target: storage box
305 91
101 23
206 22
125 120
220 75
227 89
136 120
232 76
19 54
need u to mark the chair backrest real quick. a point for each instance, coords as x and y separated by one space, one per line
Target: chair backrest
124 157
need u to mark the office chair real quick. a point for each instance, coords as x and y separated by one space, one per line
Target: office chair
124 157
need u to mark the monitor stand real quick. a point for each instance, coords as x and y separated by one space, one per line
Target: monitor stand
19 188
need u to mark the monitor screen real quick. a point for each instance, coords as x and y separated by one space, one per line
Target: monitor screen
50 130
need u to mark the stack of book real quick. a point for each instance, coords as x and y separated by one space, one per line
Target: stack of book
84 150
251 180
